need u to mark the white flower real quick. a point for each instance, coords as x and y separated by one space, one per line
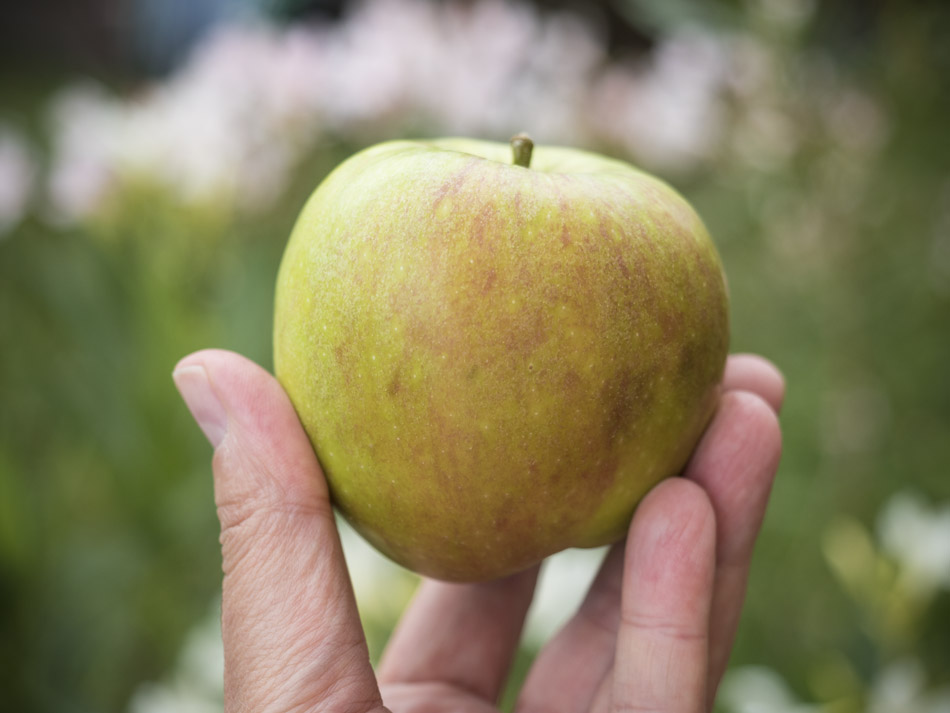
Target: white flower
565 579
232 122
227 126
17 177
917 535
489 68
160 698
901 688
85 122
757 689
197 683
667 113
381 587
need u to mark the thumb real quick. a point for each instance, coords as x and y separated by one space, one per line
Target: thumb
292 635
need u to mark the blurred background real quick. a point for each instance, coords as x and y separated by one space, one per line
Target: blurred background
154 155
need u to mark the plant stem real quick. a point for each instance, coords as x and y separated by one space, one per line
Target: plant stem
521 147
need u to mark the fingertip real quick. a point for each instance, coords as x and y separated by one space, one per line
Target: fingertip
751 421
756 374
735 465
672 534
674 500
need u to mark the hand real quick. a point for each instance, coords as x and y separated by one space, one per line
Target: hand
654 632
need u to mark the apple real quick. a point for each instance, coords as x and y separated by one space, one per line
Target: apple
496 359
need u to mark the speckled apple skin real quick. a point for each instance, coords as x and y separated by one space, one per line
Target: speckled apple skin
495 363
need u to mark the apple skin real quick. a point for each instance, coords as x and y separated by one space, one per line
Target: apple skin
494 363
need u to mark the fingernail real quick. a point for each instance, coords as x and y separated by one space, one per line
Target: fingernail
195 388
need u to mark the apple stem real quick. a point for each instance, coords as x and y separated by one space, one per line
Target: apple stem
521 147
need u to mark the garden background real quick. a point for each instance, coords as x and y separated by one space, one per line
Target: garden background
153 158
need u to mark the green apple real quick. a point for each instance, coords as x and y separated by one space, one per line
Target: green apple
495 360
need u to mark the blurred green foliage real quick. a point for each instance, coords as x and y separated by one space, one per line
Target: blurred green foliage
108 537
839 267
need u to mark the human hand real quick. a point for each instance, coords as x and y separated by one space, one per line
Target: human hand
654 632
